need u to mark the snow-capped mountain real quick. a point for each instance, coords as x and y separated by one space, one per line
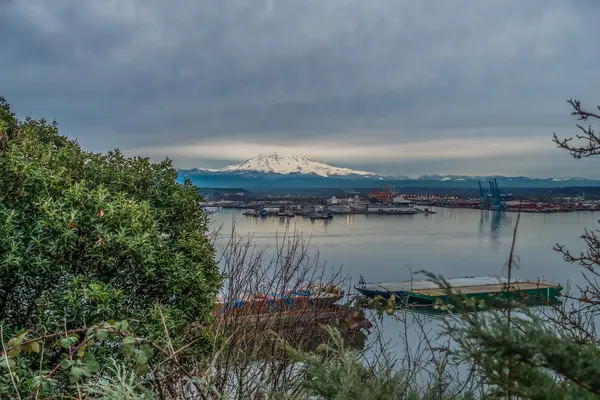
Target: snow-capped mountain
276 170
276 163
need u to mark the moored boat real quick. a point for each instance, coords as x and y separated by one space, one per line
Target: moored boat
285 213
317 296
321 215
324 295
487 288
391 209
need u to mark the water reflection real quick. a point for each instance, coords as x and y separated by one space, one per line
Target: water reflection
349 220
496 220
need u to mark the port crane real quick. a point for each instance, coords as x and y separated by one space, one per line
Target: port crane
482 199
495 199
387 194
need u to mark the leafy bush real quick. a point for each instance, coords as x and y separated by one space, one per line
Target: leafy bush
86 238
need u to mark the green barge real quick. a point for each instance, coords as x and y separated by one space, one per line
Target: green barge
487 289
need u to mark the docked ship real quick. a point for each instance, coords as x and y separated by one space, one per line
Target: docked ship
325 214
399 205
285 213
488 288
314 304
313 295
391 209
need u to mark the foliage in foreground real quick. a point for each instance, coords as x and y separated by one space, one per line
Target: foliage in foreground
333 372
119 383
529 360
336 372
86 238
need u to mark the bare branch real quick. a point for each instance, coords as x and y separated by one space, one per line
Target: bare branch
590 140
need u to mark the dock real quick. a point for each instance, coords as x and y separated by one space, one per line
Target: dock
488 289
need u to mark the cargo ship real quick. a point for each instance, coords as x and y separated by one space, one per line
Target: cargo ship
324 214
313 296
313 304
488 288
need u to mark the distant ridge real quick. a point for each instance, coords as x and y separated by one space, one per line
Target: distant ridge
296 170
446 178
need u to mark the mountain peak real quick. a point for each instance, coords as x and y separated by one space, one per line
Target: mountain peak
279 163
279 156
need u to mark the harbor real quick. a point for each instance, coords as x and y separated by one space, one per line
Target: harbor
387 201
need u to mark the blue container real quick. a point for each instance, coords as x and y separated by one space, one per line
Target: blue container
238 303
301 293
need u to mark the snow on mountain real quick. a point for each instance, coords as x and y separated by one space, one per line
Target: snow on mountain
446 178
454 178
296 164
290 164
564 179
434 177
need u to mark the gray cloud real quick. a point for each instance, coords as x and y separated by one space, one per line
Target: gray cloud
162 77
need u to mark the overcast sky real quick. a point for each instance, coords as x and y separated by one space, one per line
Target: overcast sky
392 86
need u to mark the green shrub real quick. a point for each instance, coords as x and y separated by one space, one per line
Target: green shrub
86 238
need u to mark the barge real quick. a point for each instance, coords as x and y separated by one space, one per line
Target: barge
315 296
488 289
314 304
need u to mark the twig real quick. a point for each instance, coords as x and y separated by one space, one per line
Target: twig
12 378
592 147
510 266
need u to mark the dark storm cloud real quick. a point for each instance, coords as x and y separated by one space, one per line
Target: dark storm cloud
162 77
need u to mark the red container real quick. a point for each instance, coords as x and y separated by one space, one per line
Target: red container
220 306
300 303
258 304
275 303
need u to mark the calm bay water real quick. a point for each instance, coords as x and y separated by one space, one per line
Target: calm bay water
451 242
